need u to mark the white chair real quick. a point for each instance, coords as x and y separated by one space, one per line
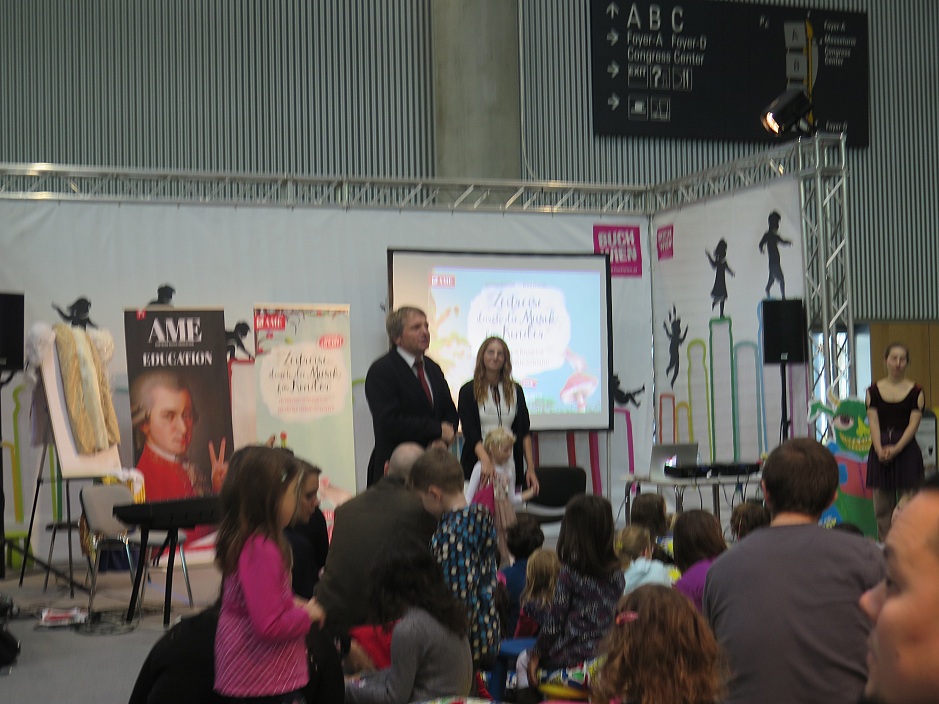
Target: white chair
109 533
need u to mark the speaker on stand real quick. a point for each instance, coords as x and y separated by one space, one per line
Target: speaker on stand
785 340
11 361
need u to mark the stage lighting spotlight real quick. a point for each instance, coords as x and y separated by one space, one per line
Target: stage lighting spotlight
788 113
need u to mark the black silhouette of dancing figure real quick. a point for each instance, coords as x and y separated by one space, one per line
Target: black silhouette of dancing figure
675 340
624 397
76 314
771 241
720 266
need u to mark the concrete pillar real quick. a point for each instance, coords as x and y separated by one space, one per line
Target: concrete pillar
476 89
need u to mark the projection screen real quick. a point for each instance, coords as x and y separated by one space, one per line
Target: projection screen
552 310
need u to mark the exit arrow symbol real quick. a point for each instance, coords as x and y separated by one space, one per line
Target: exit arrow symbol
613 69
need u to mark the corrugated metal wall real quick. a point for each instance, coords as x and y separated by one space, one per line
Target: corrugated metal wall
345 88
893 220
285 86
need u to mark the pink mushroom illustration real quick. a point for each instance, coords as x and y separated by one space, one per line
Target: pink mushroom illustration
578 389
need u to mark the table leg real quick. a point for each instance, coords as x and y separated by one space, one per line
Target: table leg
138 576
174 538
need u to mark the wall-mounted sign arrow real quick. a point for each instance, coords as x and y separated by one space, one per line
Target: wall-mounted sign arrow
613 69
612 10
613 101
612 37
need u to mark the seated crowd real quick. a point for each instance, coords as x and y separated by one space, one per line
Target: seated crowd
407 602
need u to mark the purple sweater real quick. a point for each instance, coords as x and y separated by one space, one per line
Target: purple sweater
692 579
260 647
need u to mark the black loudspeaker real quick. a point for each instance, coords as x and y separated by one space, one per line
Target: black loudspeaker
784 332
11 331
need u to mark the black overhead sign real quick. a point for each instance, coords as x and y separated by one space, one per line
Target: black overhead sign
708 69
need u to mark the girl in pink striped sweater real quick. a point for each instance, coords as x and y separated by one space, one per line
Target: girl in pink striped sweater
260 649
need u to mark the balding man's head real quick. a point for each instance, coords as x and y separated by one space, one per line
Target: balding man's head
402 459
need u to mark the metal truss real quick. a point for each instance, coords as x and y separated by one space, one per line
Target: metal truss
819 163
74 183
823 193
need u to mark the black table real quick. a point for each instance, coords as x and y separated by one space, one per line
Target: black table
169 516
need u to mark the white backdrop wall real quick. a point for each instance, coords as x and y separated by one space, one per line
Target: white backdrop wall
117 256
722 395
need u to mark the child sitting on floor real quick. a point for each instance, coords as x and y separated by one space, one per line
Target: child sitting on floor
541 578
746 517
660 650
589 584
464 545
523 539
634 549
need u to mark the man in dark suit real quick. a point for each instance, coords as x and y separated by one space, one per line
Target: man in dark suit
407 393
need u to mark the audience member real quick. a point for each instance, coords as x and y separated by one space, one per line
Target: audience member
307 534
430 655
634 549
260 648
180 668
589 584
407 394
903 648
540 582
364 528
522 539
649 510
464 545
698 541
746 517
659 651
784 602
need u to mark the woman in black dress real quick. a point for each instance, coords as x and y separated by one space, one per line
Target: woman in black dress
894 410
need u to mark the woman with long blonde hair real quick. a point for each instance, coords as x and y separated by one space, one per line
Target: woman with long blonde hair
492 400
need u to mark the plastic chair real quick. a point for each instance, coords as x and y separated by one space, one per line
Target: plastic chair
558 486
109 533
104 530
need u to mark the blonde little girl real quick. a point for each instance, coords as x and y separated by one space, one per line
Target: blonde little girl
499 443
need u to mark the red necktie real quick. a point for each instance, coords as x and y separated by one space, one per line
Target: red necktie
419 366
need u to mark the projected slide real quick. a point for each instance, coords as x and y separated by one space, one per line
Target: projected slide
552 310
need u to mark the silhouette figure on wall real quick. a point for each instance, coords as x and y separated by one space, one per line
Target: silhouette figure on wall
771 241
624 397
675 339
76 314
234 339
720 266
164 296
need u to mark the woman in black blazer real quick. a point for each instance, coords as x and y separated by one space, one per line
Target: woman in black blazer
493 399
